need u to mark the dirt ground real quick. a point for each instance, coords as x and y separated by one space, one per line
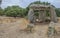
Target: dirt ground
12 29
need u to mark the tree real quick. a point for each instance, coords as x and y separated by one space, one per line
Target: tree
39 2
57 11
1 12
14 11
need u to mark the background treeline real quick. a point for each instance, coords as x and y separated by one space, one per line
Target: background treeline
16 11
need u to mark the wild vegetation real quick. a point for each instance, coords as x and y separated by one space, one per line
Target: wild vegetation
16 11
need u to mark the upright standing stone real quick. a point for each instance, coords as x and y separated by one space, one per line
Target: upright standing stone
31 15
51 30
42 15
53 15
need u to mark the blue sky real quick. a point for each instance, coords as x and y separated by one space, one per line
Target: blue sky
25 3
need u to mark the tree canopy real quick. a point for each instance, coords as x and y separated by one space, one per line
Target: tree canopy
1 12
14 11
57 11
39 2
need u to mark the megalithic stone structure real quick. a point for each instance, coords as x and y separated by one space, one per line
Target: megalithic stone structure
53 14
42 15
51 30
42 12
31 15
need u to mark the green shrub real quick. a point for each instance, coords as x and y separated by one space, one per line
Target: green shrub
15 11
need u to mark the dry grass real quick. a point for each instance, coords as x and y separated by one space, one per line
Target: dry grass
10 28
